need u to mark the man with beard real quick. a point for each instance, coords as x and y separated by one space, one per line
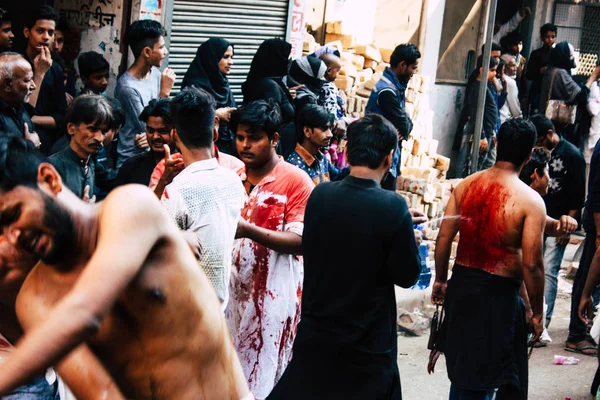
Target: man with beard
159 125
126 291
266 278
388 99
89 119
16 87
314 133
6 34
49 101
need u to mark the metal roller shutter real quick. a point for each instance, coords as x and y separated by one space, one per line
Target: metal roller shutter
245 23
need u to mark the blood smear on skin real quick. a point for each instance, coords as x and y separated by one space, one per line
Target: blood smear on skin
483 230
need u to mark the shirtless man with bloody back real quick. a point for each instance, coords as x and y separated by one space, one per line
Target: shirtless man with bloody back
116 278
501 221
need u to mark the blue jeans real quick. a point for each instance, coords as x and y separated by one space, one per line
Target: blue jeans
553 256
457 393
464 155
39 389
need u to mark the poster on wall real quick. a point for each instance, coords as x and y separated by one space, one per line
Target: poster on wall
297 31
151 9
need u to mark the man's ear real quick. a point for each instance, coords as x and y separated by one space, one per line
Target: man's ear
175 136
275 140
307 132
49 179
147 52
26 32
216 130
71 128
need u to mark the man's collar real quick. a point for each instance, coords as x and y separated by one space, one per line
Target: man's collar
75 157
5 106
308 158
267 179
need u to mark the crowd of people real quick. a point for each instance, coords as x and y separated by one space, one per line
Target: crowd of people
179 247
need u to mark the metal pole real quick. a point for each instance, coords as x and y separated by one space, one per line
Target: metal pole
487 50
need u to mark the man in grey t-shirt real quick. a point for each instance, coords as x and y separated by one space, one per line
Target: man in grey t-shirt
141 83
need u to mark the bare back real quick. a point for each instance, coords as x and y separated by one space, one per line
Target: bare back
165 336
493 207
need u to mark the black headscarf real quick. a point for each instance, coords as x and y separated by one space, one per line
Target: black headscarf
204 72
308 71
561 56
270 60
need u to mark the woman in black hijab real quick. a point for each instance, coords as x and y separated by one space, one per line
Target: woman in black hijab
265 82
209 71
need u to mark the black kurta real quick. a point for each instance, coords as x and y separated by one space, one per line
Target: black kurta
355 249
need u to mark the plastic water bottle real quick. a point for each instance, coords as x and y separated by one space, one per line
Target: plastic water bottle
425 275
562 360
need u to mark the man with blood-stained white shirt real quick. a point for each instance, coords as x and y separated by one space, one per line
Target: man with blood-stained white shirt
267 273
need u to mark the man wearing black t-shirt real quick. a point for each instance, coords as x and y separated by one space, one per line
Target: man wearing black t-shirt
346 342
566 195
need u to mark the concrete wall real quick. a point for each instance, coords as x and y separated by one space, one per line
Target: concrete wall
357 15
97 25
397 22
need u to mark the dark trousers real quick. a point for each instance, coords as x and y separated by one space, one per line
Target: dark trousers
577 329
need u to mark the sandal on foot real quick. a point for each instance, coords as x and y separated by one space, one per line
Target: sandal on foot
583 349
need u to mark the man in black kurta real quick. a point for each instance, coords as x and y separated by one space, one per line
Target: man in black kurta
355 249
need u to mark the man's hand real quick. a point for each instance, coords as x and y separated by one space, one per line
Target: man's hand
141 141
483 144
417 216
173 166
537 327
566 225
194 242
525 11
241 229
42 62
339 128
69 98
86 195
31 136
418 237
563 240
438 293
585 308
167 80
224 113
293 90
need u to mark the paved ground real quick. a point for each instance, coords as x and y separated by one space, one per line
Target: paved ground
547 381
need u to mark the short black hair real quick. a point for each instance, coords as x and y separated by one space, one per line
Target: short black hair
370 140
19 162
513 38
118 113
91 62
408 52
62 25
259 115
516 138
313 116
41 13
542 124
143 33
493 62
538 163
5 16
91 108
158 108
548 28
495 47
193 111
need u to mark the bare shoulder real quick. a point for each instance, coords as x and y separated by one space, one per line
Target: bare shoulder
531 200
33 304
130 201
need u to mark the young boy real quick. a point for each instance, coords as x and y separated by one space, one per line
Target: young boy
93 70
537 65
333 102
50 101
141 83
6 35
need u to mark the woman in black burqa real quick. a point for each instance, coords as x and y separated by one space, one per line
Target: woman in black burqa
209 71
308 72
266 82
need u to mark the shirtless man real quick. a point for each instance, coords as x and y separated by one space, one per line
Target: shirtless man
134 296
501 221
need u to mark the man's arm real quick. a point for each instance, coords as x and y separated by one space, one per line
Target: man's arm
335 173
490 117
512 24
41 65
44 121
120 254
559 227
132 106
281 242
586 302
443 248
388 102
85 376
403 264
533 261
513 99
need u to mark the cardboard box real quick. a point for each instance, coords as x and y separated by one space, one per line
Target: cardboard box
443 163
334 27
344 82
358 61
370 64
346 41
386 54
